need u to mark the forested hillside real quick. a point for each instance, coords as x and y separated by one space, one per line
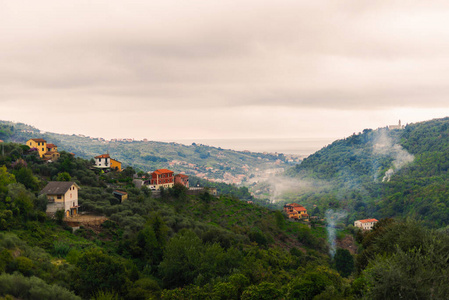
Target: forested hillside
180 246
173 247
384 173
195 159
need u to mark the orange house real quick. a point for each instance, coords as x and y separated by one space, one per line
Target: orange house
296 211
162 178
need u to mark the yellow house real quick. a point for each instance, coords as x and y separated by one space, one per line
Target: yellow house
39 144
52 147
116 165
52 153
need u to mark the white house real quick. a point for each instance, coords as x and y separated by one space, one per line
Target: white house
62 195
366 224
103 161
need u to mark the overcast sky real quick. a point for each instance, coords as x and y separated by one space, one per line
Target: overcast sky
199 69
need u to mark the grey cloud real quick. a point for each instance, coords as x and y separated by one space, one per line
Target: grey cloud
343 55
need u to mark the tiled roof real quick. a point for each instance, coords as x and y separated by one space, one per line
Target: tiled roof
50 152
58 187
39 140
103 156
367 220
115 160
182 175
294 205
162 171
51 145
302 208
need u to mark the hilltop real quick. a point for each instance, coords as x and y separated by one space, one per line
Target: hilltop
383 173
206 162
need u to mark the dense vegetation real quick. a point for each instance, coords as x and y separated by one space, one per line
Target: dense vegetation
383 173
204 247
173 247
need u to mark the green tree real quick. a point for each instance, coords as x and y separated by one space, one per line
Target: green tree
182 258
344 262
99 271
64 176
144 288
25 176
262 291
22 200
5 179
41 203
59 216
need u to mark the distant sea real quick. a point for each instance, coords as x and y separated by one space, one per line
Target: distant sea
297 146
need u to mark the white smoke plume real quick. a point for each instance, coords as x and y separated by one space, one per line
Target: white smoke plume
388 175
332 218
383 144
281 187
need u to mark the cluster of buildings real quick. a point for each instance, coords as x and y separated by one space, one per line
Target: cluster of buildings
162 178
296 211
48 152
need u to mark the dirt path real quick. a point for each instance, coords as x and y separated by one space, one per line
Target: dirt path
85 220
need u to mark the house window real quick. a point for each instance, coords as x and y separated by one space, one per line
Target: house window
99 160
59 197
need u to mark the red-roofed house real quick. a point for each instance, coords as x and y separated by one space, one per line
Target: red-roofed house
296 211
182 179
366 224
162 178
52 147
39 144
103 161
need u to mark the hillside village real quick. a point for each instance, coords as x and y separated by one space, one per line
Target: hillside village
154 181
206 162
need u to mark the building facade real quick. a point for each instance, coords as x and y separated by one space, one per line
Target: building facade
296 211
162 178
39 144
116 165
182 179
62 195
102 161
366 224
105 161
